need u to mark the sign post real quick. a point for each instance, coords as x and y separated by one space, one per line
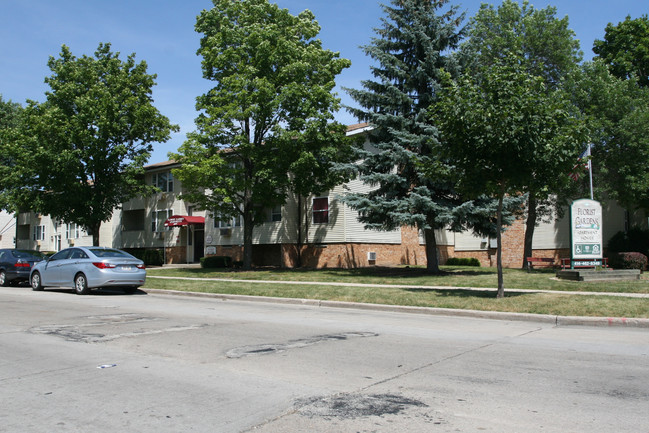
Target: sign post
586 234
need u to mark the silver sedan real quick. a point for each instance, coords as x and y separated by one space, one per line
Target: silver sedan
85 268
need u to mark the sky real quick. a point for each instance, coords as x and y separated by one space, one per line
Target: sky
161 32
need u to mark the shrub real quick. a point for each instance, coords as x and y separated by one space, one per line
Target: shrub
153 257
634 240
629 260
138 253
463 261
216 262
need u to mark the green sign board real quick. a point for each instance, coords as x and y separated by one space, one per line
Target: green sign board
586 230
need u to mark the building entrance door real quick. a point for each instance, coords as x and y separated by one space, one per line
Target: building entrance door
199 242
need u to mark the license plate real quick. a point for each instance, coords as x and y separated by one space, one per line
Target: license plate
126 267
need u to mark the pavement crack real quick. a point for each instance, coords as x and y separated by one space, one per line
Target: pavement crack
445 359
266 349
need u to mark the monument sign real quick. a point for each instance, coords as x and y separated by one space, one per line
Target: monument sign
586 233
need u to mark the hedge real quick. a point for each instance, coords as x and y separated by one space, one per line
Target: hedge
463 261
150 256
216 262
634 240
628 260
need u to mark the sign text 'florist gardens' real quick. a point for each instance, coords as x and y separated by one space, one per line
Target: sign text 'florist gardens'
586 233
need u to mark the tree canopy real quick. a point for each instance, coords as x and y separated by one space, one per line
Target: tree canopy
10 115
624 49
267 124
617 111
79 155
492 124
546 47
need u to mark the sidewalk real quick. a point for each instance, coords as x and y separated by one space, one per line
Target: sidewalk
404 286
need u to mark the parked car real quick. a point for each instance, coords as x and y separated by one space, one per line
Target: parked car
15 265
85 268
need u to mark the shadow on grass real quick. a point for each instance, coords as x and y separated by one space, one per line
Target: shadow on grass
376 271
461 293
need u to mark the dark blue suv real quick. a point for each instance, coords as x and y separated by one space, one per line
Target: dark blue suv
15 265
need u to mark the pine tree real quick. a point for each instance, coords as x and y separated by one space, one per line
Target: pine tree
411 52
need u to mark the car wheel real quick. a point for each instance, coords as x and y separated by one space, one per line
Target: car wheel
130 290
36 282
3 278
81 285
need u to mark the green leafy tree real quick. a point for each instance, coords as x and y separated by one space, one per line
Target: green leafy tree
10 115
617 110
80 154
547 48
267 124
624 49
411 51
492 122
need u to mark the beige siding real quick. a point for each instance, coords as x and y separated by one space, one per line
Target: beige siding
467 241
551 235
7 229
332 231
279 232
614 221
354 231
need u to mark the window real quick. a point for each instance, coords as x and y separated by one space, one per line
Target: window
226 222
133 220
23 232
78 254
321 210
38 233
72 231
158 219
276 214
109 252
164 181
61 255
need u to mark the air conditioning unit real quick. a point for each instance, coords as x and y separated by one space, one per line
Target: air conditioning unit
371 256
225 232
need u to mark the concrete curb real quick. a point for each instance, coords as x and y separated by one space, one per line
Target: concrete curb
493 315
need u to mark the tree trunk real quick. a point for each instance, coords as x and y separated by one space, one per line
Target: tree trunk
95 234
299 231
530 225
248 210
499 251
432 264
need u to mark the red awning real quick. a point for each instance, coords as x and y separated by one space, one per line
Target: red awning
183 220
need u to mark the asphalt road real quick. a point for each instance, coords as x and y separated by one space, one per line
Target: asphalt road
157 363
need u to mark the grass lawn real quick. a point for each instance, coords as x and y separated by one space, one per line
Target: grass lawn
420 295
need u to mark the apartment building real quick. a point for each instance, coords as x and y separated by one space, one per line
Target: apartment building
317 231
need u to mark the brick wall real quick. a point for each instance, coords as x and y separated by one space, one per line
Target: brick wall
176 254
409 252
